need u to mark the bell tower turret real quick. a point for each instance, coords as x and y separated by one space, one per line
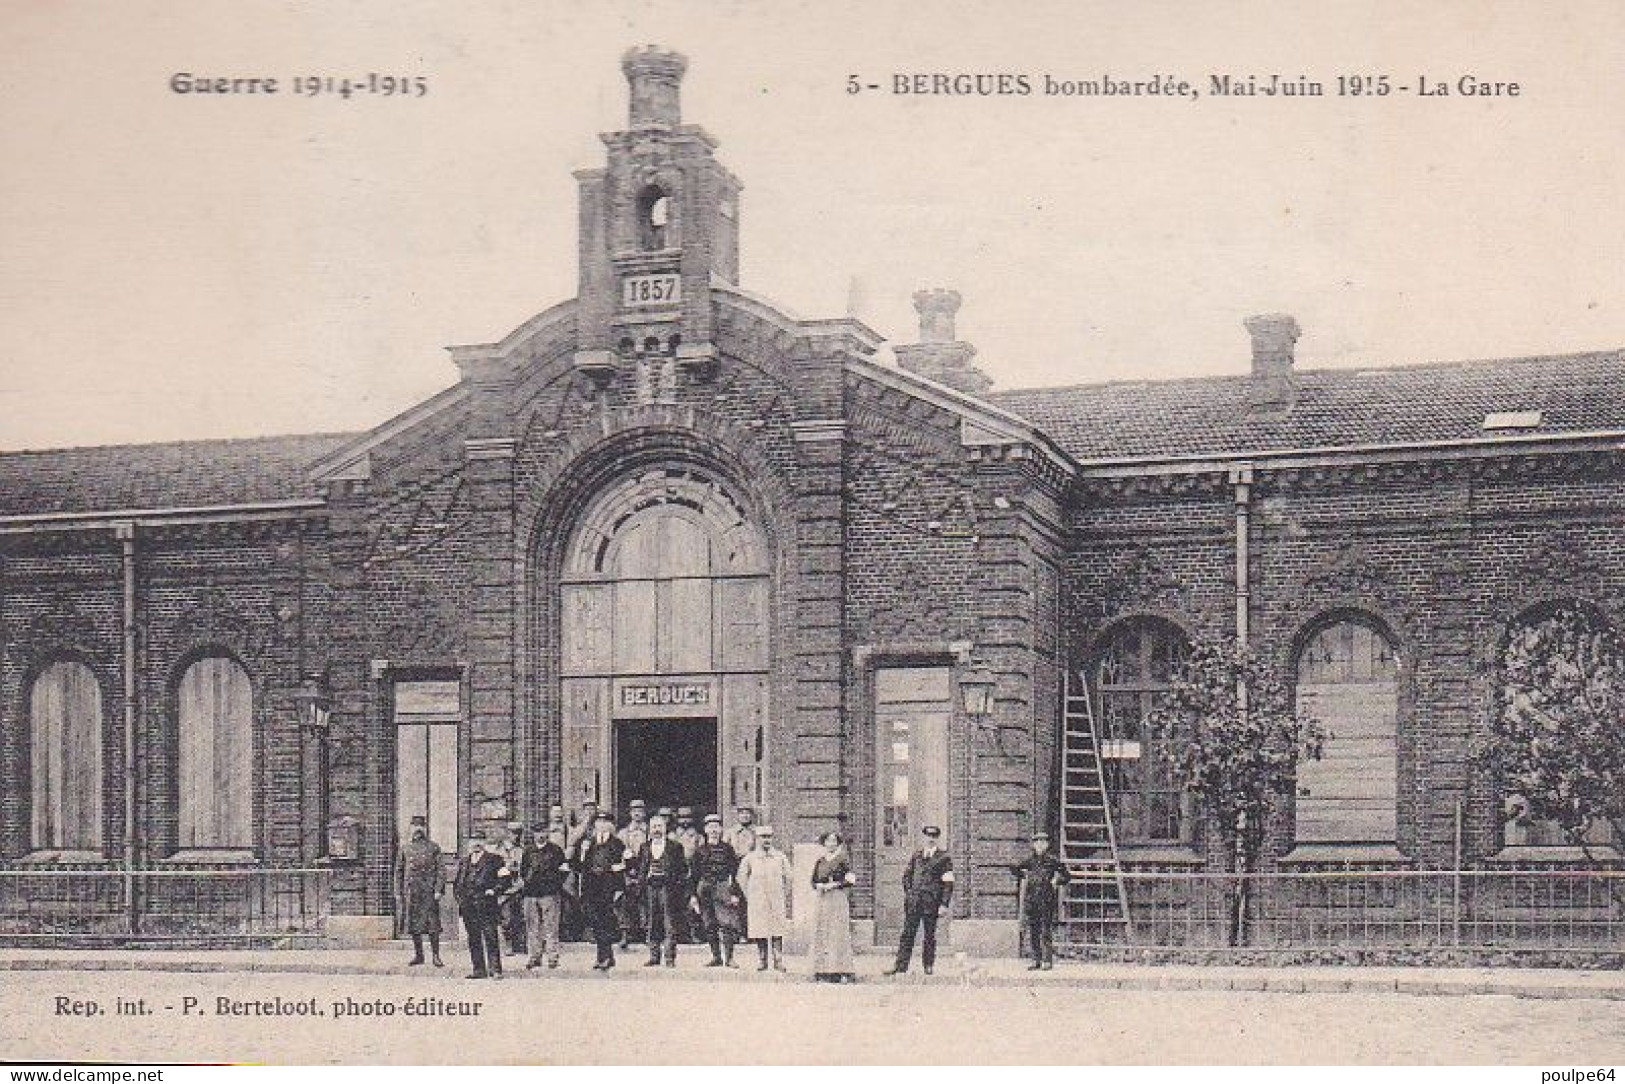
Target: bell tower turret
659 223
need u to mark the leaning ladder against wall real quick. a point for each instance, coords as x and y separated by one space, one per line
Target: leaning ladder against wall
1095 909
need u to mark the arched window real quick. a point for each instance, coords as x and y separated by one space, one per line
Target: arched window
654 218
1348 680
1134 667
215 704
65 742
1559 691
666 575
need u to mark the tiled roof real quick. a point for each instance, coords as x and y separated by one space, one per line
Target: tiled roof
186 474
1333 407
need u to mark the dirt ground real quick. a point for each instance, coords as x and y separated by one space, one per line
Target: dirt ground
944 1020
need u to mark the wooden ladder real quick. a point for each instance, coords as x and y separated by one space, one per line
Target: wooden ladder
1096 904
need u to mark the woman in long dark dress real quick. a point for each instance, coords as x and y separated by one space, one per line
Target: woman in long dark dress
832 880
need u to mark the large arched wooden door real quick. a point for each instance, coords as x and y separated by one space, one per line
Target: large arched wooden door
664 645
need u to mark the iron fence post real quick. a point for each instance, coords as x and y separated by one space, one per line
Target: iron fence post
1455 885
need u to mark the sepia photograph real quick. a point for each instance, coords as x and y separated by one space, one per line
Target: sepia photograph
877 534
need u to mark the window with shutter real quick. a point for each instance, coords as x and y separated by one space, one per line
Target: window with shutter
215 769
65 744
1348 680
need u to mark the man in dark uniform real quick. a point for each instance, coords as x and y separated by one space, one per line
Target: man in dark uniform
603 879
662 870
716 894
420 881
478 886
928 889
1040 878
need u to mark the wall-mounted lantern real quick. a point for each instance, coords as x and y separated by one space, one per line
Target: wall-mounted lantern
976 688
313 705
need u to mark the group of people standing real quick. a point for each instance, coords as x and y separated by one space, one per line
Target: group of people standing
660 880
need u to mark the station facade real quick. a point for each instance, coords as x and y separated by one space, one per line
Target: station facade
666 541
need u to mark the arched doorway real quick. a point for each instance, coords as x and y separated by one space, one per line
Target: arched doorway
664 645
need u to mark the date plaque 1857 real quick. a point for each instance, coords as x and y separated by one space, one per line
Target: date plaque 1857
641 291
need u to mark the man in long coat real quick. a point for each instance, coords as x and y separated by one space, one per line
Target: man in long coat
928 888
420 881
1040 878
602 865
764 878
479 886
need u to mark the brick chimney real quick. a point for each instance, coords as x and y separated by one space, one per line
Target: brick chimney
654 76
938 355
1274 335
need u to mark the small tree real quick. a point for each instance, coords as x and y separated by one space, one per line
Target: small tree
1234 738
1555 736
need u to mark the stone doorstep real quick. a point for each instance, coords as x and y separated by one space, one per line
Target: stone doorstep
1608 986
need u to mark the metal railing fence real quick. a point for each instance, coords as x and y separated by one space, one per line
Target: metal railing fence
90 904
1558 910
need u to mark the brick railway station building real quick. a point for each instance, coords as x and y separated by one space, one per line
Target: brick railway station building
665 541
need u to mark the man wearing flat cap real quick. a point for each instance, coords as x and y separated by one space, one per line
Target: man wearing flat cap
928 889
716 893
1040 878
420 881
764 879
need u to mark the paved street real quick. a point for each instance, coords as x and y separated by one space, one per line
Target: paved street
751 1018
